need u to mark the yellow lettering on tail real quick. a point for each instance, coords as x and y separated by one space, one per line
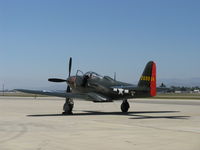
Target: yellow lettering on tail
147 78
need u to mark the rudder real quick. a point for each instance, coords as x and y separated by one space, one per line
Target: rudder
148 78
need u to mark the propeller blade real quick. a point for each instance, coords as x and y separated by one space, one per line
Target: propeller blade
56 80
70 66
68 89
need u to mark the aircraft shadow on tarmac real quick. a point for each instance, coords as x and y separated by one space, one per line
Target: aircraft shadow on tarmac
134 114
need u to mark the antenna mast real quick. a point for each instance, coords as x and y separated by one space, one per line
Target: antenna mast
3 89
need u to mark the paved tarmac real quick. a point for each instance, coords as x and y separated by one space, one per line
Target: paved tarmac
37 124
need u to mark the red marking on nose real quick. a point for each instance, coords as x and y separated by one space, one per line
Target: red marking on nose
71 80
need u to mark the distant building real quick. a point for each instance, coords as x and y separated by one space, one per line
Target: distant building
177 92
196 91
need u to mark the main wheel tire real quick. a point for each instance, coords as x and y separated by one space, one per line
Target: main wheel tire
125 106
68 106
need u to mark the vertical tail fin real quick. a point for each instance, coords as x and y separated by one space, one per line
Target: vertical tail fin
148 78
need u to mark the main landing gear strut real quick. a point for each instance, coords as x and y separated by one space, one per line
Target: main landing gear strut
125 106
68 106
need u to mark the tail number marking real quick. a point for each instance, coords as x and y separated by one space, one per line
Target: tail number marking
147 78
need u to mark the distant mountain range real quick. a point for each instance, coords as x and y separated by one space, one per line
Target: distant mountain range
188 82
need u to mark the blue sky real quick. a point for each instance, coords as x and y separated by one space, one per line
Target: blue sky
37 38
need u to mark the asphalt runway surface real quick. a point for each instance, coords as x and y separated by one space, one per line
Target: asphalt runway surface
37 124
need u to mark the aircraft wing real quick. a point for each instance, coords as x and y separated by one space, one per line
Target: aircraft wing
95 97
52 93
98 98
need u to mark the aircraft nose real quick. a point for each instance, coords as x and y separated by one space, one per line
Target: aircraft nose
71 80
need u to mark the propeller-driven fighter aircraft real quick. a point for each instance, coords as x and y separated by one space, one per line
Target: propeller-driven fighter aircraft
94 87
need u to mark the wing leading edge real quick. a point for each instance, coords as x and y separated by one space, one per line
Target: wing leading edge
86 96
52 93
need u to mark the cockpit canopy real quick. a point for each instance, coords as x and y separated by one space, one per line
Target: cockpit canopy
93 75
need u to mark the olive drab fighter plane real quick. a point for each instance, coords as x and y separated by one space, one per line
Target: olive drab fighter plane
94 87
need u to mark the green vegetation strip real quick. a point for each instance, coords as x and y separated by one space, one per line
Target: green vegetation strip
195 96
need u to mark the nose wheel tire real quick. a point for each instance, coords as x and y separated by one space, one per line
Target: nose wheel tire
68 106
125 106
